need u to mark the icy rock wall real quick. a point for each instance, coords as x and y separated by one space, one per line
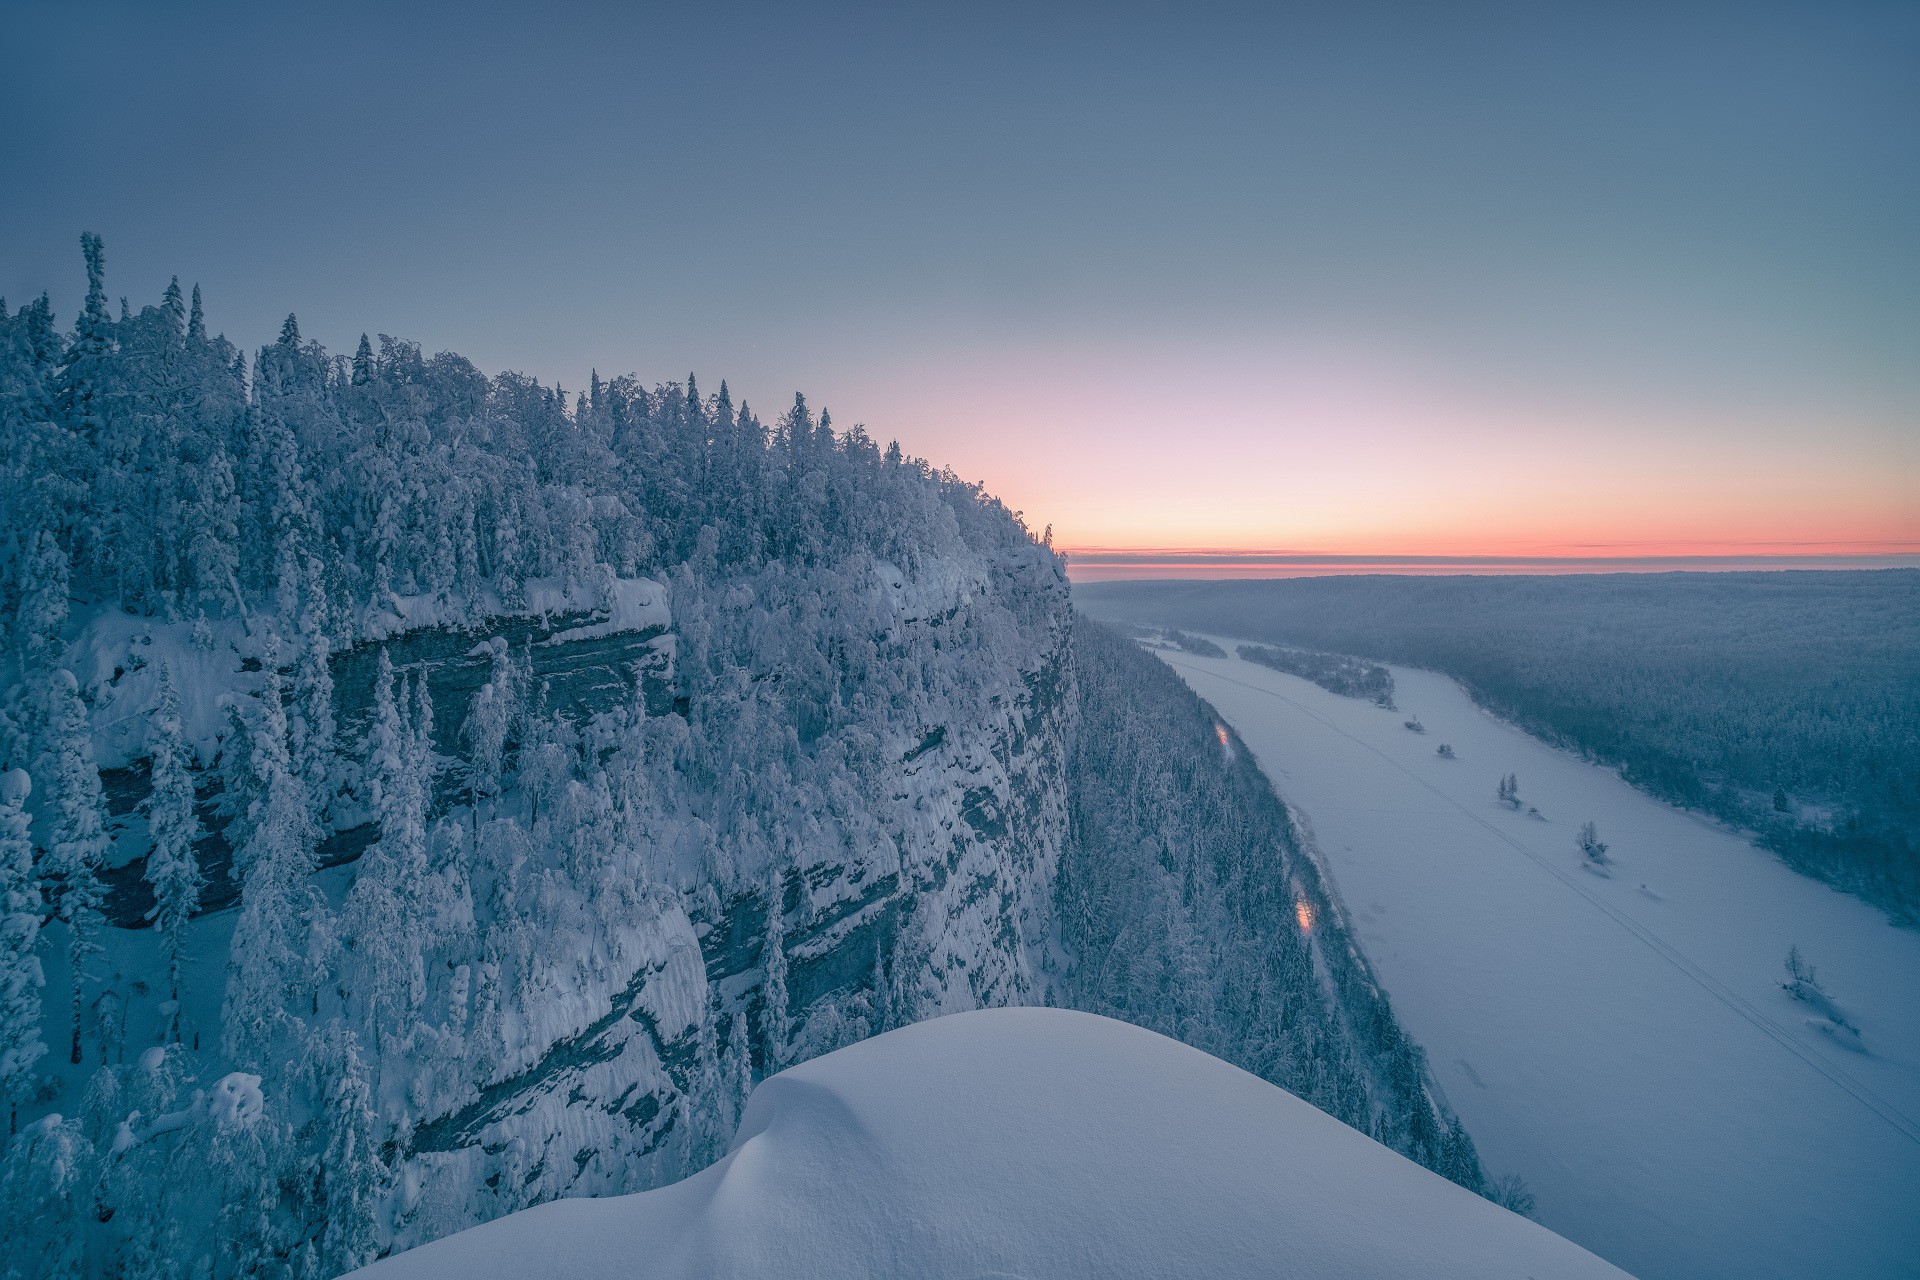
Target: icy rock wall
926 894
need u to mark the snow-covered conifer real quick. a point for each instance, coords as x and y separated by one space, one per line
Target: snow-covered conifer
389 898
212 530
310 727
196 320
245 1152
81 388
1592 847
45 1182
21 1047
424 762
738 1070
352 1176
486 733
172 825
386 748
704 1101
777 1022
79 844
885 1013
266 969
43 602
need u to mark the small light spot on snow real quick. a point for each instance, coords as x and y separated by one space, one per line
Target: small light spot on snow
1303 912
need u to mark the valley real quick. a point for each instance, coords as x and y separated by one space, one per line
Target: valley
1619 1036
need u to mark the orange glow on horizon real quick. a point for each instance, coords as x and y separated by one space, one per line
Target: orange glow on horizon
1494 548
1278 444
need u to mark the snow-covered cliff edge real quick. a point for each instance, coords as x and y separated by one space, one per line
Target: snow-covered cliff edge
1024 1142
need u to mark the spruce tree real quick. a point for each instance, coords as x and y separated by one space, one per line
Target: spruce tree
351 1173
486 735
20 978
42 614
266 968
213 531
311 726
81 385
704 1103
776 1024
172 825
386 747
387 903
738 1070
79 844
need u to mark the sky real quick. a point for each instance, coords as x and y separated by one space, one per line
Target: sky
1497 280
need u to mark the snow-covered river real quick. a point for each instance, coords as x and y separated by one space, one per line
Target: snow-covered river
1623 1041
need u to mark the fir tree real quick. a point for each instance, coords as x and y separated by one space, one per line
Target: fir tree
20 977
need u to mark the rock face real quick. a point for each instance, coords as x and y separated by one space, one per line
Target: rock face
560 1051
926 891
1019 1142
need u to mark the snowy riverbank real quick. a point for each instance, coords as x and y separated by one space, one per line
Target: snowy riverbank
1622 1040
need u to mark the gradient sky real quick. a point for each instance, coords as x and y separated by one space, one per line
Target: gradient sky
1506 279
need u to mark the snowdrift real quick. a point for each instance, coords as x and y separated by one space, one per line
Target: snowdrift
1023 1142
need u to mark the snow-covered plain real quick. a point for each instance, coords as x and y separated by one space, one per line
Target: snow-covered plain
1622 1041
1023 1142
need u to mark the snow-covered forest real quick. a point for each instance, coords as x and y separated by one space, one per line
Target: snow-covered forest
427 794
1334 672
1785 703
1192 910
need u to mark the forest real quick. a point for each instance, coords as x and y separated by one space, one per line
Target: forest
425 794
1787 704
1334 672
1242 952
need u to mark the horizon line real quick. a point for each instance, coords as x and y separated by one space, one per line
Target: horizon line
1094 564
1564 551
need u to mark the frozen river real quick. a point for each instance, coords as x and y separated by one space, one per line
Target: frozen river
1622 1042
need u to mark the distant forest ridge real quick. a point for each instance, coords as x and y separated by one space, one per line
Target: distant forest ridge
1785 703
1096 564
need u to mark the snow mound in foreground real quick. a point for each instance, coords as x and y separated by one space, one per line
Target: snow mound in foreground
1023 1142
